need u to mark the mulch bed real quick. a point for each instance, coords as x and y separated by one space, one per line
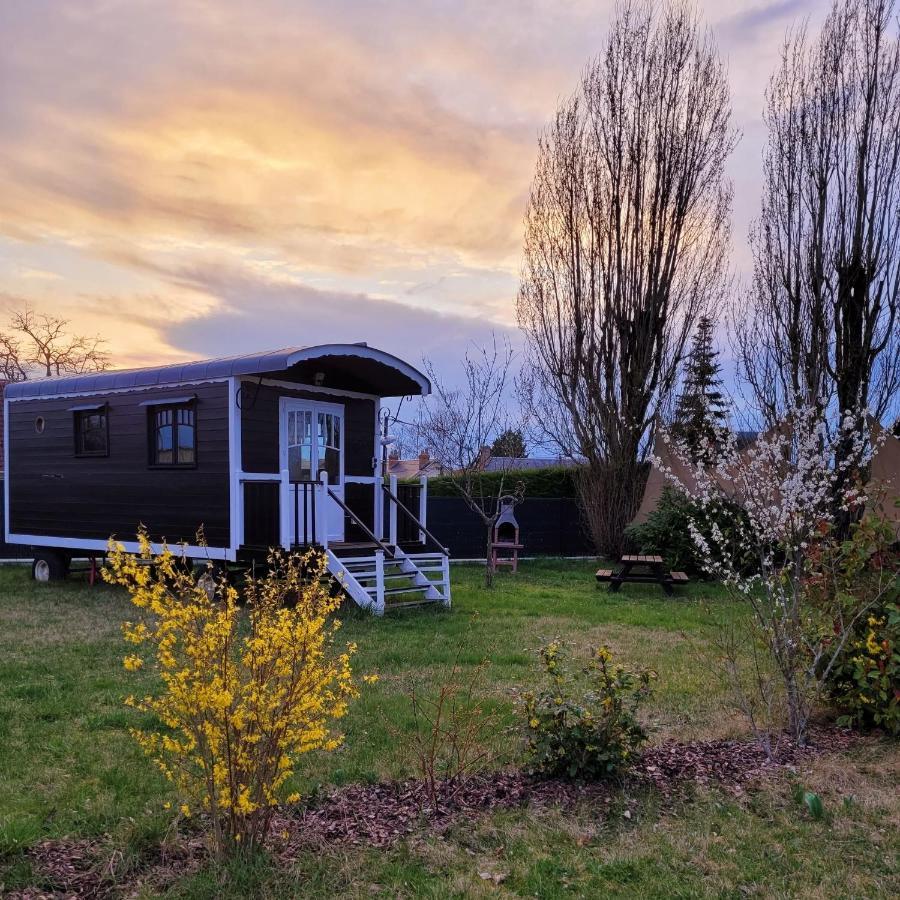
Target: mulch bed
382 814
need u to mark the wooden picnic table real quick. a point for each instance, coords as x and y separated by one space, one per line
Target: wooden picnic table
649 570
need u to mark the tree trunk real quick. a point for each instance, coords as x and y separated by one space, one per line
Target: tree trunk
488 561
796 710
609 496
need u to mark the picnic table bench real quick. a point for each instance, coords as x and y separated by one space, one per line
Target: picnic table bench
649 570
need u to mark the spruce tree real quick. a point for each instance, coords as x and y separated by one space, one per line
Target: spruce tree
701 411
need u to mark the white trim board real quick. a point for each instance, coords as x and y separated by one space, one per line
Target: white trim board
63 543
5 474
235 488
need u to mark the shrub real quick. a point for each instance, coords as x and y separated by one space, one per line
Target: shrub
583 723
236 707
667 531
864 572
454 731
554 482
866 681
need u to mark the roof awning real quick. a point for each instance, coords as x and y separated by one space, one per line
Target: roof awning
169 401
348 367
87 407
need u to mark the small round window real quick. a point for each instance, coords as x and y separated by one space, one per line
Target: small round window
39 424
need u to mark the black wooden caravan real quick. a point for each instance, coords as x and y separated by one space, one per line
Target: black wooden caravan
273 449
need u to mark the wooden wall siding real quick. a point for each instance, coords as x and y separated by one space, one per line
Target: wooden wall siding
261 514
361 499
260 435
9 551
53 492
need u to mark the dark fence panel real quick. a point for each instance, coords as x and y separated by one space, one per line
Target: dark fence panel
547 527
8 551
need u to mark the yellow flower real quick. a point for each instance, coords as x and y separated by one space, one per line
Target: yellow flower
230 678
534 723
370 679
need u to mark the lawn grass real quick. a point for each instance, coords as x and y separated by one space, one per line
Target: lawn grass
68 766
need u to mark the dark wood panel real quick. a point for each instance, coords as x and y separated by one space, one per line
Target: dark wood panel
261 514
55 493
360 498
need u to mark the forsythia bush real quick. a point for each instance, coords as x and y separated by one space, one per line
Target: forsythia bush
866 683
583 723
239 705
864 573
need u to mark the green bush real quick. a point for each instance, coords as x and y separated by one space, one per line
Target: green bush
583 723
865 681
666 531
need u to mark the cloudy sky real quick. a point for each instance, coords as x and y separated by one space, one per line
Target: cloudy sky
203 177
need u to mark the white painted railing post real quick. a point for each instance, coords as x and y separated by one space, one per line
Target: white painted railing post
392 512
379 582
423 506
445 575
287 511
322 509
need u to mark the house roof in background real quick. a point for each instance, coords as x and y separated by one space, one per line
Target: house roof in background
409 468
347 366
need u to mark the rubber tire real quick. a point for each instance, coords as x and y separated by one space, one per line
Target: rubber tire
49 565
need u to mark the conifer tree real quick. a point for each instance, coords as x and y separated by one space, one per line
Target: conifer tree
510 444
701 411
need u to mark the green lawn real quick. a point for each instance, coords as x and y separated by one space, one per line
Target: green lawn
69 768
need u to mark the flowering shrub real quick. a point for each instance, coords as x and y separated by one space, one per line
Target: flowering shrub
795 486
864 571
866 682
666 531
583 723
237 707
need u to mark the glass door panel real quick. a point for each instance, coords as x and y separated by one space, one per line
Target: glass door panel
299 444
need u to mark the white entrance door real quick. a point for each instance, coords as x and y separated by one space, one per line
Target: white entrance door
312 442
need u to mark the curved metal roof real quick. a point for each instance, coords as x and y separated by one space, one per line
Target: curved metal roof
404 378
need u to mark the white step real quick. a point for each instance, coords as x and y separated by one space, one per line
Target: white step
368 579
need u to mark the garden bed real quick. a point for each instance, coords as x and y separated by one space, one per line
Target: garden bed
381 815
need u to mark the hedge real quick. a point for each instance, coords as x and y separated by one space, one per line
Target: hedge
556 482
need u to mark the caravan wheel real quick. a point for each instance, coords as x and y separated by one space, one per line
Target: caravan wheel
49 565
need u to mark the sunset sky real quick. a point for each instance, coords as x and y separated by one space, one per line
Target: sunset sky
205 177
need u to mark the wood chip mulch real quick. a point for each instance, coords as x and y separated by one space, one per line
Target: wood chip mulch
382 814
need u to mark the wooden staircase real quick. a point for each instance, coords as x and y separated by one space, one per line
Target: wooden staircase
383 577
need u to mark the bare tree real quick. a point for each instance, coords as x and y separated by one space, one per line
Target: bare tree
822 317
626 243
40 343
12 365
458 425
